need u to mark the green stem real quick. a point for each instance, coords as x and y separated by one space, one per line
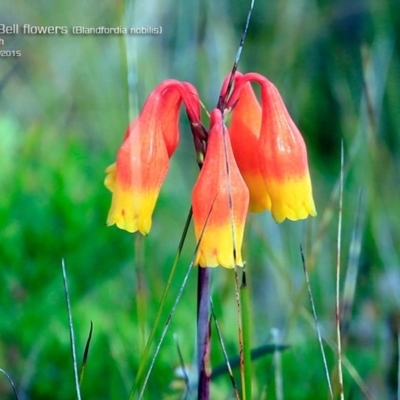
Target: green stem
140 291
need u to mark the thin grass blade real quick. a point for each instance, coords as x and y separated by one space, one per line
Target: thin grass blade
352 269
183 369
338 269
222 101
227 367
11 382
140 291
166 326
317 326
85 354
71 331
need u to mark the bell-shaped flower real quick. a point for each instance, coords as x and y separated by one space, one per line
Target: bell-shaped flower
143 159
270 151
282 157
220 202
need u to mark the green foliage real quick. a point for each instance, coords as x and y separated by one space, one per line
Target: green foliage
64 106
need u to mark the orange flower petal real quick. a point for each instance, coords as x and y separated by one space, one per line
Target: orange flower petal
220 201
282 157
244 132
136 178
143 159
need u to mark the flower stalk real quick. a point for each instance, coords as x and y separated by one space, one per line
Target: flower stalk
203 333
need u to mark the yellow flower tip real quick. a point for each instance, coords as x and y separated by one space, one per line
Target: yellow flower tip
291 199
220 202
222 252
220 249
132 212
129 224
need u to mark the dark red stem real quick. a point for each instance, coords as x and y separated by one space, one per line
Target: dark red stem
203 333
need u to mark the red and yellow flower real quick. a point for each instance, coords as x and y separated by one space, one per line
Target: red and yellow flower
270 151
220 202
143 159
282 157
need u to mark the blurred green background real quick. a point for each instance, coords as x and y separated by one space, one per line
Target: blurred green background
64 107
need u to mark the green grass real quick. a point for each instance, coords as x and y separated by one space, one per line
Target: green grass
64 107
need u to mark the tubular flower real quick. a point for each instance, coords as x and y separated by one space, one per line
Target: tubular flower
282 157
244 132
220 202
270 151
143 159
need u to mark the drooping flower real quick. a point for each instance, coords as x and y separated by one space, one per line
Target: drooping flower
273 161
220 202
282 157
143 159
